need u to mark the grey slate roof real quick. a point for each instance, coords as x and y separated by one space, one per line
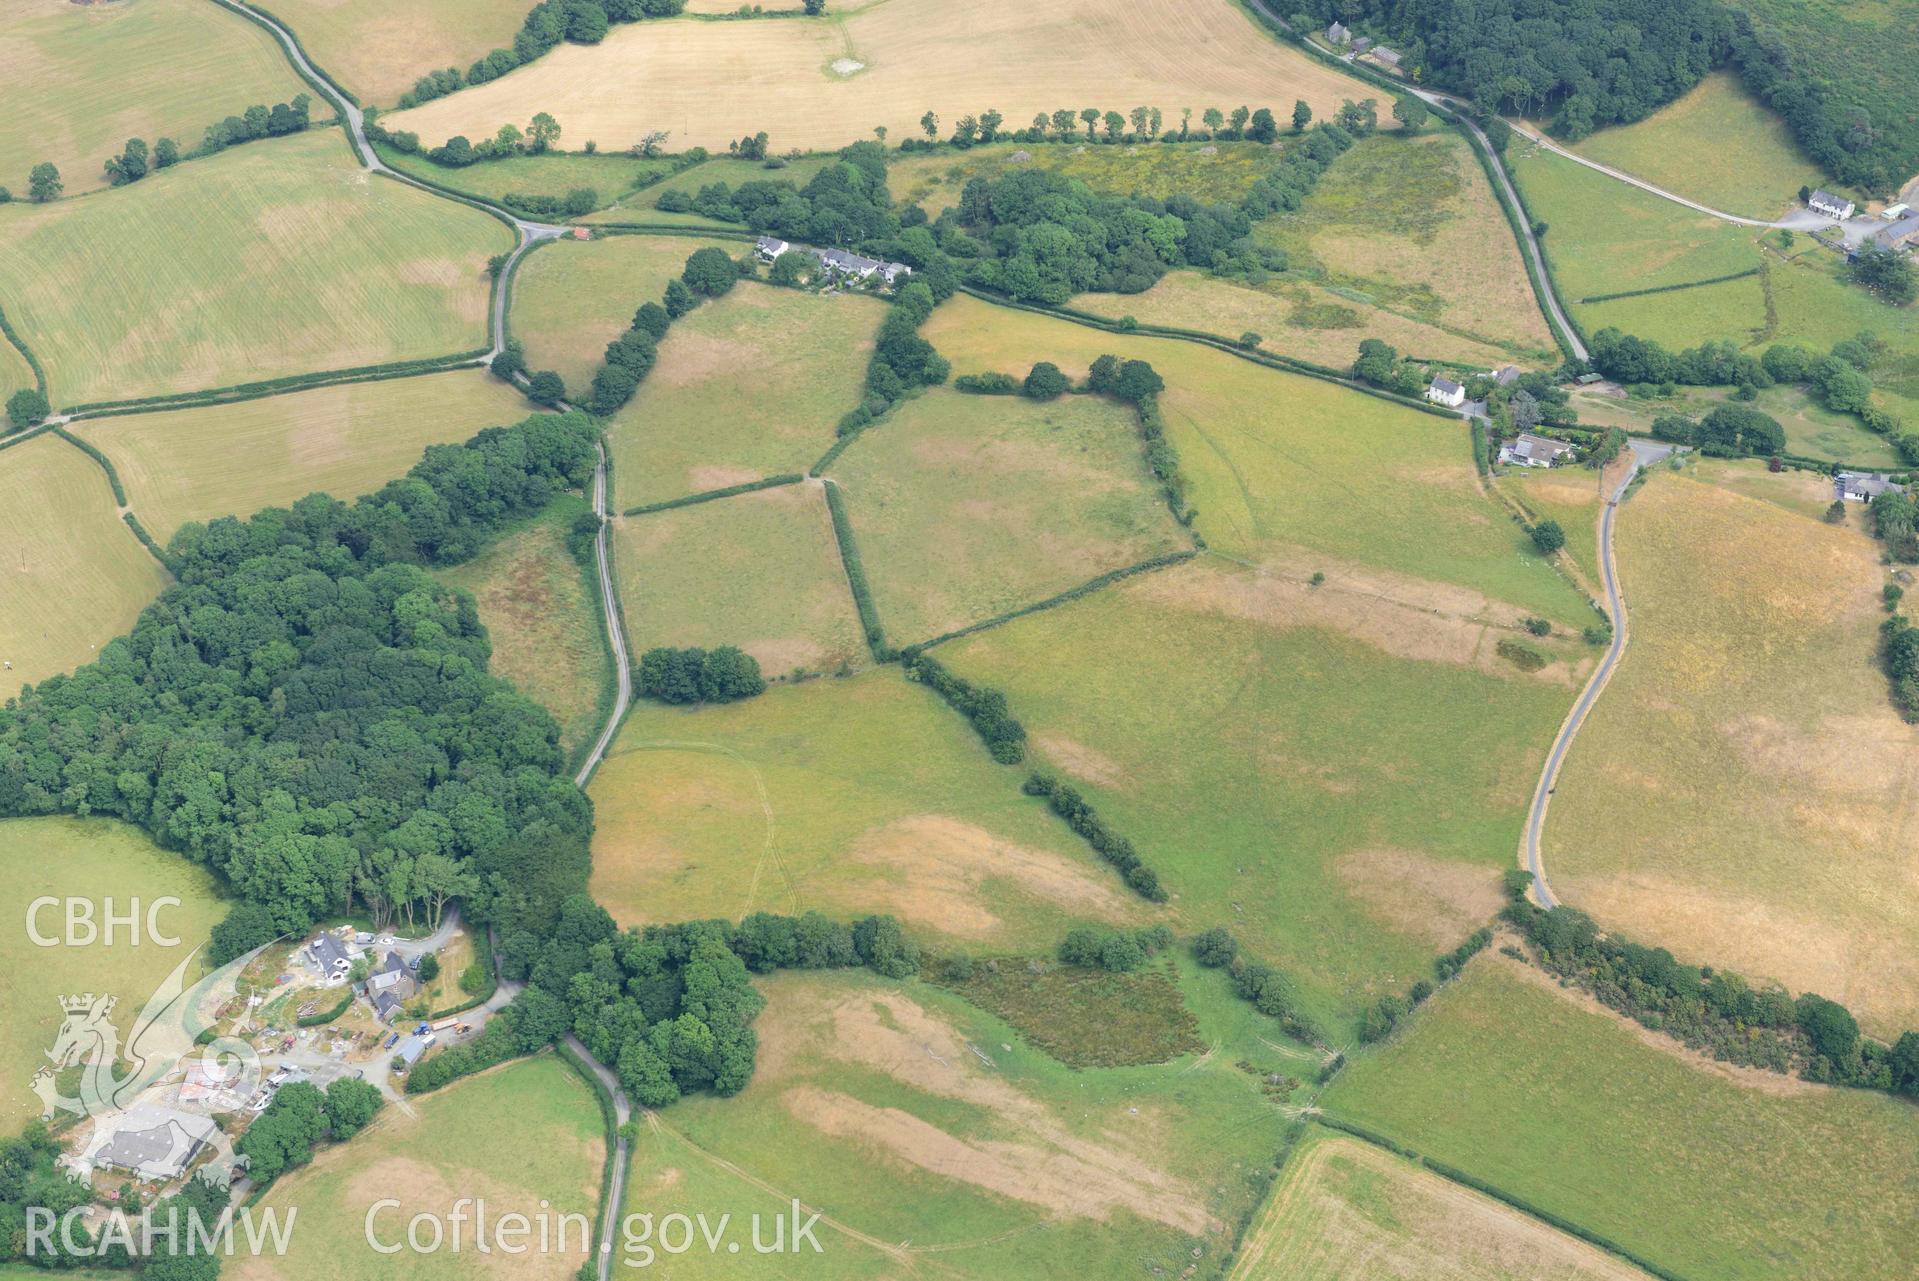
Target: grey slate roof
1891 237
1446 386
154 1142
1870 484
1824 197
1540 449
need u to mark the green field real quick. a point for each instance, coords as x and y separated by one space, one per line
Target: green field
1212 173
93 859
934 1141
74 575
1344 1209
100 74
1717 145
234 460
541 609
15 373
639 205
1745 765
555 173
1573 1110
526 1139
748 386
573 298
378 49
1335 774
275 258
760 571
850 795
1569 495
1297 474
967 507
1811 429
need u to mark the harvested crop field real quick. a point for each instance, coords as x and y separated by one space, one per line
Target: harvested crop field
709 80
760 571
849 795
378 49
234 460
1744 792
1344 1210
571 299
747 386
298 261
928 1135
71 573
101 74
967 507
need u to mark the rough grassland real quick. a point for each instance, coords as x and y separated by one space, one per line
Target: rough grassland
90 77
542 616
639 206
849 796
1569 495
72 575
712 81
748 386
934 180
571 299
760 571
1811 429
1744 794
91 859
275 258
1344 1209
1580 1113
519 1138
1293 472
553 174
1338 777
233 460
1717 145
377 49
935 1142
967 507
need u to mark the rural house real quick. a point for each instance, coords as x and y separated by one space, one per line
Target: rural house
1863 486
852 266
1528 450
1505 375
1444 391
151 1142
769 248
1824 202
1338 34
331 955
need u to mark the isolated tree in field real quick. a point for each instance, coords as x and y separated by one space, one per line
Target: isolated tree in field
1548 537
1213 119
1302 115
989 123
1263 127
44 184
1063 123
1836 514
1090 116
1410 112
166 152
710 272
26 408
1045 382
542 132
930 125
546 388
1115 126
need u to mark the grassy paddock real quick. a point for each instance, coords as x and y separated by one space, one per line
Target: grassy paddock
555 173
543 616
713 81
967 507
233 460
104 73
527 1138
74 575
91 859
571 299
1731 795
748 386
847 795
297 261
639 206
1573 1110
928 1131
377 50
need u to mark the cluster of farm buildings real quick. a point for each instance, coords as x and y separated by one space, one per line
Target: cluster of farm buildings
836 264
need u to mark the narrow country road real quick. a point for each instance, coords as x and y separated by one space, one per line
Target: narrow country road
615 627
1645 453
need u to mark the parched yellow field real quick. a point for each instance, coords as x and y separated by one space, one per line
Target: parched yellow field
1718 145
72 575
710 82
377 48
275 258
233 460
571 299
82 79
1345 1210
1743 793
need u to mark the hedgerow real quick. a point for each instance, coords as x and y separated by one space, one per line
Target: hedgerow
856 575
1004 736
1065 801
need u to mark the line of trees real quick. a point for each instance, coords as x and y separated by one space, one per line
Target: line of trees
1065 800
135 161
545 26
1262 986
1118 951
686 676
985 707
709 273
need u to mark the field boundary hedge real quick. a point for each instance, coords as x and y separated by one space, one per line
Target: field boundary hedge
1667 289
713 495
327 1016
610 687
147 540
1066 597
717 232
106 464
26 352
278 386
324 85
22 437
856 573
1497 1193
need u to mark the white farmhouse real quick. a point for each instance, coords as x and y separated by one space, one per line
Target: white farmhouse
1444 391
1824 202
